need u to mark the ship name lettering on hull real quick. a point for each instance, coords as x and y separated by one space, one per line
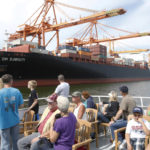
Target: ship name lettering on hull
13 59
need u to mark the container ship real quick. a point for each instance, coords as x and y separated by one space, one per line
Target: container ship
78 66
80 61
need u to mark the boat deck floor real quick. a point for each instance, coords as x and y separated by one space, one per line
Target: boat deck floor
104 143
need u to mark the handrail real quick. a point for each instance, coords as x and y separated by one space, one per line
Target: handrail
106 96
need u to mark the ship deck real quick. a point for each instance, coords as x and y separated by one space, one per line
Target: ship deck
104 141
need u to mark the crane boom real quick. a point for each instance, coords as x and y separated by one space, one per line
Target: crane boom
131 51
94 17
109 39
32 30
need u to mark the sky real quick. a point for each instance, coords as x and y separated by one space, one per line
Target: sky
136 19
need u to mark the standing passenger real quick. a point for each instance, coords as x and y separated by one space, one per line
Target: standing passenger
1 83
63 88
33 99
10 100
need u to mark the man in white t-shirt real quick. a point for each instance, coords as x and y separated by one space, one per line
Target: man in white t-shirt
63 88
136 130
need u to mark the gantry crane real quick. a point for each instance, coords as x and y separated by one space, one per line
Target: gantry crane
40 25
88 31
92 40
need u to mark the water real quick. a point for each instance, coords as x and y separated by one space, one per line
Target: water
141 88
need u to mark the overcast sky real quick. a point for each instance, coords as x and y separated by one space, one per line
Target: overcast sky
16 12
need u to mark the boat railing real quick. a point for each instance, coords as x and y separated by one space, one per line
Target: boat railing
141 101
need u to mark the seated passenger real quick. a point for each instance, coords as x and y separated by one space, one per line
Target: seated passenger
148 111
34 140
79 110
62 132
136 130
126 106
88 103
110 109
148 147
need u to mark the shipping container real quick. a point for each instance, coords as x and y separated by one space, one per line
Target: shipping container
68 51
69 55
61 47
110 59
21 49
84 53
85 57
96 58
97 47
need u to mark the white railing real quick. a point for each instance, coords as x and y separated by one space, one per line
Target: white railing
139 99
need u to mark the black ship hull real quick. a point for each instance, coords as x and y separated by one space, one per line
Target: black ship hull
26 66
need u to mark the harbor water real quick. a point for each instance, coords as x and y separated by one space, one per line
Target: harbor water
141 88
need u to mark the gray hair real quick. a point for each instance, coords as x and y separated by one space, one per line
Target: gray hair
63 104
61 77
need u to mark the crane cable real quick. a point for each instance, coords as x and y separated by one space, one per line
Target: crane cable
122 43
116 28
59 9
79 8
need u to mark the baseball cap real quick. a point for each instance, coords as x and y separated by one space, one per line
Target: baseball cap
52 98
124 89
138 110
76 94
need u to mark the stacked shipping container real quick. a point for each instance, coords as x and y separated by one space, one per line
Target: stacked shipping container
98 52
20 49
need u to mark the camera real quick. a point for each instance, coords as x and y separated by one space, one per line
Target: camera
57 116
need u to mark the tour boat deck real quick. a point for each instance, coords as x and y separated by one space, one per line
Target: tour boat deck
104 141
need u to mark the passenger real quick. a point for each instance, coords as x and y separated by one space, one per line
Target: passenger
10 100
63 88
148 147
148 111
126 106
79 111
88 103
1 83
40 139
62 132
136 130
33 99
110 109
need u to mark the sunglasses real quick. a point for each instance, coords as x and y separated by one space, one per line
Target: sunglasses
135 115
50 103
